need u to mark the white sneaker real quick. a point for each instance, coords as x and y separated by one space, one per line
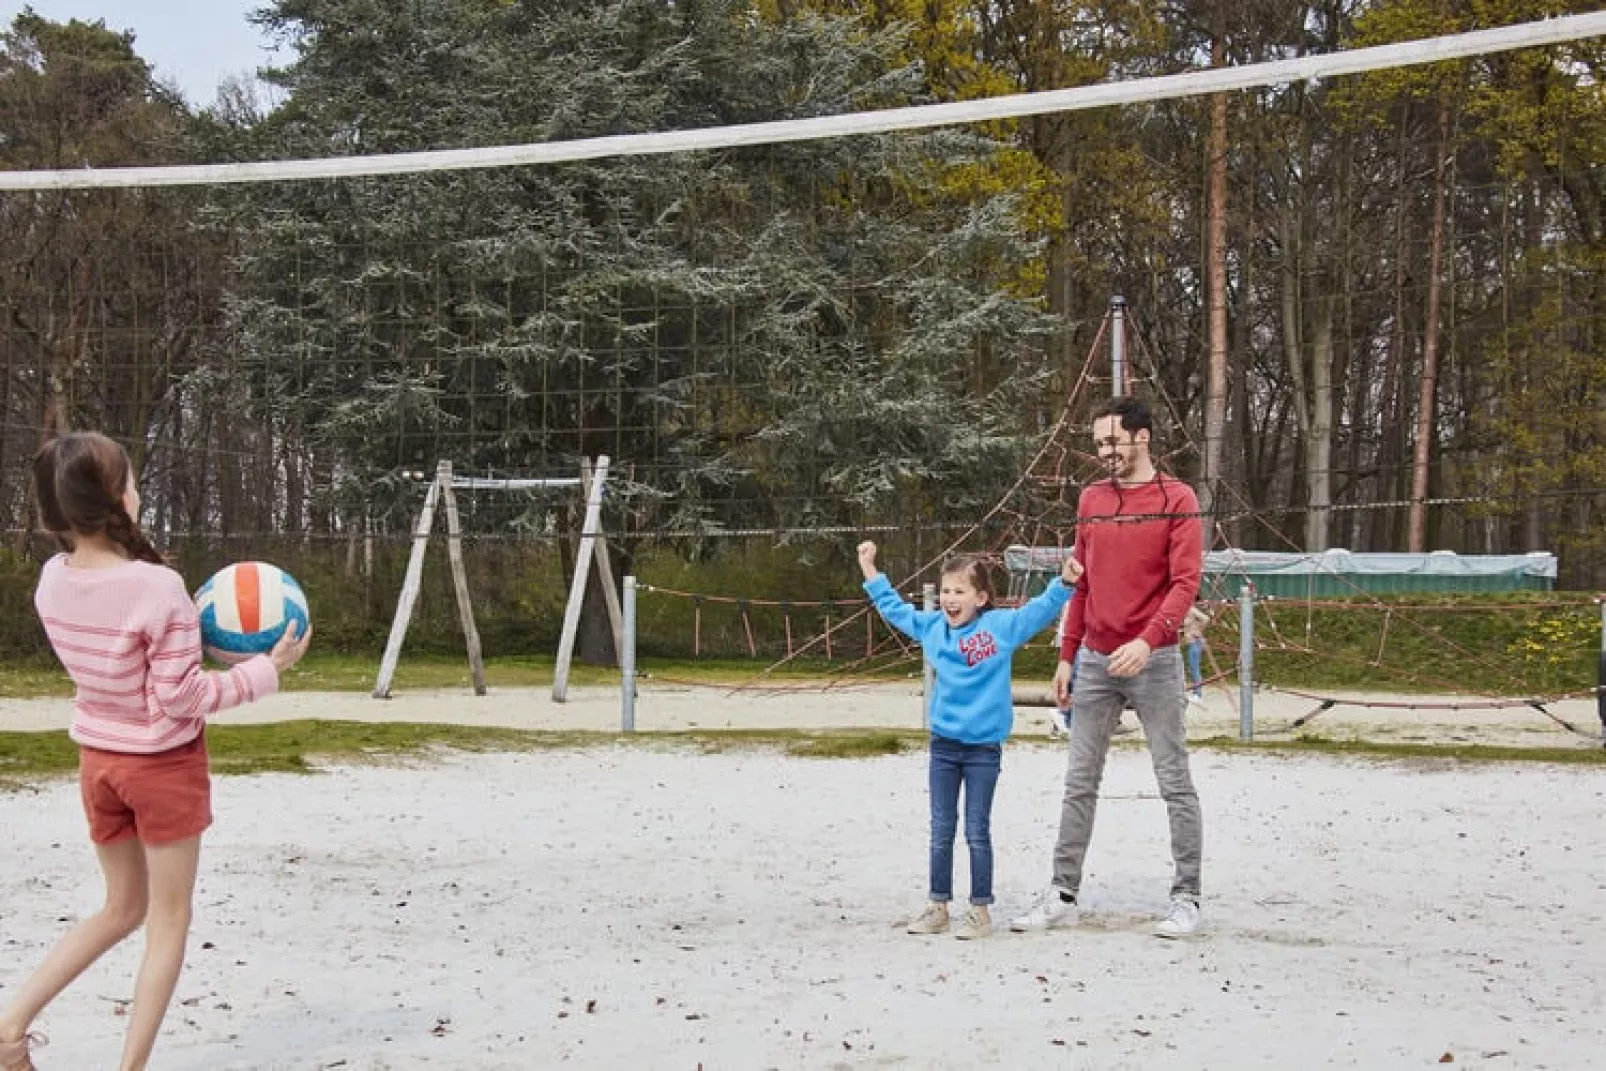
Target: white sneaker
1182 920
1193 698
1049 913
1060 723
934 919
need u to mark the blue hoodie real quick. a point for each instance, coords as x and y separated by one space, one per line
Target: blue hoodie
972 702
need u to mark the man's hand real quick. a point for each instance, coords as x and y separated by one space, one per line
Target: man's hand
1071 571
867 559
1129 659
1062 685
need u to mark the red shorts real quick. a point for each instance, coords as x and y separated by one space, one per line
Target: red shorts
159 798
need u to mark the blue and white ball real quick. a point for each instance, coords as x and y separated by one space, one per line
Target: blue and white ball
245 609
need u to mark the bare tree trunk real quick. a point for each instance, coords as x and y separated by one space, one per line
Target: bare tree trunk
294 483
1215 422
1416 534
1319 437
1383 530
1240 462
63 350
1239 467
1351 371
1305 415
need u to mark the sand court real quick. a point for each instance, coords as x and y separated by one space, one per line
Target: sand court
646 904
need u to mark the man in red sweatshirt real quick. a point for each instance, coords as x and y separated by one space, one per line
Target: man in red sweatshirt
1138 536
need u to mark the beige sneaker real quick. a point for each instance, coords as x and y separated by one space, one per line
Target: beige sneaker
978 922
934 919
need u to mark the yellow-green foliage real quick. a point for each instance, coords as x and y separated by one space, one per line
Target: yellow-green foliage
1554 643
944 38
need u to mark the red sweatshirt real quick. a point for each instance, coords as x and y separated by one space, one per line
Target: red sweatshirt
1142 574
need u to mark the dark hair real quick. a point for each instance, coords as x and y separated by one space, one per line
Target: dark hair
976 569
1134 413
1135 417
80 478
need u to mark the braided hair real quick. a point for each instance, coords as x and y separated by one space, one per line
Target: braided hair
79 479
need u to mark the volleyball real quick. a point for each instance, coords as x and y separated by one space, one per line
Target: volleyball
245 608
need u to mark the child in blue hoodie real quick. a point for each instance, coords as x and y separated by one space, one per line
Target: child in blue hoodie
970 645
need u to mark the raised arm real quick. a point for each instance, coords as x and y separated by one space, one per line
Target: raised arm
1039 613
888 603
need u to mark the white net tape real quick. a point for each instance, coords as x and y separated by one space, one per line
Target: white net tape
1138 91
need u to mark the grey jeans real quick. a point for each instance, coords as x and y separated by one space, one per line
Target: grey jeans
1156 694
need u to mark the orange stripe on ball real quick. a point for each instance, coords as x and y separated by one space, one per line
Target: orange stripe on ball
248 597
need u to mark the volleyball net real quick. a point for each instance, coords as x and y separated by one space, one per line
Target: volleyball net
844 311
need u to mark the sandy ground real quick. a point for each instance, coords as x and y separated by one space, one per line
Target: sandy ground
653 907
648 905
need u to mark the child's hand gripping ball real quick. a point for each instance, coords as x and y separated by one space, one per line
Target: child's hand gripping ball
245 609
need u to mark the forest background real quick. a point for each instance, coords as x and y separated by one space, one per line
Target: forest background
1370 310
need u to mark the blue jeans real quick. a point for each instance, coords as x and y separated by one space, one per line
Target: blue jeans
975 766
1195 651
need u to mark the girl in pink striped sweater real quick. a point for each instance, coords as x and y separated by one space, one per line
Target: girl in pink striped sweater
127 632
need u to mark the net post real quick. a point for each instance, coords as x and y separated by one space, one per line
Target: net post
1117 346
627 659
928 684
1600 673
1246 661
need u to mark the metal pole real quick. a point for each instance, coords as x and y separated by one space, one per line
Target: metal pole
928 689
1246 662
627 659
1117 346
1600 674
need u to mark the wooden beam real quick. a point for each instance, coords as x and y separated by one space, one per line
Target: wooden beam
409 592
454 553
589 529
605 569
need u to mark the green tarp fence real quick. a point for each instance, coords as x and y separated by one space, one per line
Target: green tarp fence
1329 574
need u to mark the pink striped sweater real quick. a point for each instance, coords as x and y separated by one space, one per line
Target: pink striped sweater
130 638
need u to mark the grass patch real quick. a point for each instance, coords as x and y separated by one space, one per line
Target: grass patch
296 746
802 743
39 678
36 754
850 746
1320 745
299 746
302 747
